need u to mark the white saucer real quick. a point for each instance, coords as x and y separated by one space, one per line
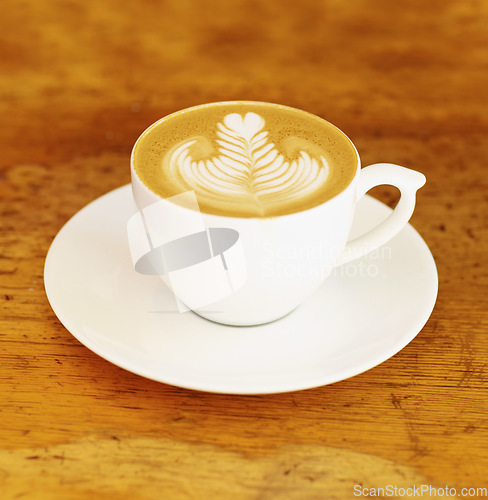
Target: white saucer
365 312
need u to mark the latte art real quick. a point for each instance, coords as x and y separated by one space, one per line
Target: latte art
246 159
248 166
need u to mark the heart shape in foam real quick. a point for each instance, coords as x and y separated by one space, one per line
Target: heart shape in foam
246 127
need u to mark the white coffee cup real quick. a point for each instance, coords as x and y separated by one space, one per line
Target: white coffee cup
253 270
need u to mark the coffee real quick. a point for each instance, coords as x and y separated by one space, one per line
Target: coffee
246 159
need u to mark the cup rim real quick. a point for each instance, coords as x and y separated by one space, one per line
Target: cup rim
244 101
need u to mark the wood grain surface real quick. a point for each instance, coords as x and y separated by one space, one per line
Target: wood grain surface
79 81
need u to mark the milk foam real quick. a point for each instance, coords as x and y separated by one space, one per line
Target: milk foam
246 159
246 165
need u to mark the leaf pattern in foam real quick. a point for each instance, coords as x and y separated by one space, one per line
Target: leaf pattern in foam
248 165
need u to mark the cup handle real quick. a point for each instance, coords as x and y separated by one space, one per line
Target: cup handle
408 182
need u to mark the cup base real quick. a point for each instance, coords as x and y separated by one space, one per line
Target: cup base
213 317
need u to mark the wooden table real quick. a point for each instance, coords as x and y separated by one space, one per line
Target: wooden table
79 81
